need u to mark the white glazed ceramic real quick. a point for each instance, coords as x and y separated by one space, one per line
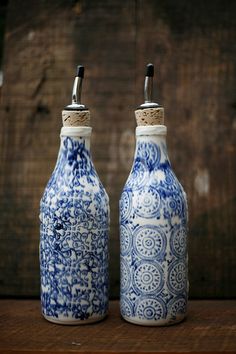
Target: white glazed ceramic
74 214
153 236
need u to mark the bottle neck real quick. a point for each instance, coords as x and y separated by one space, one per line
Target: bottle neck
75 139
151 150
74 166
75 148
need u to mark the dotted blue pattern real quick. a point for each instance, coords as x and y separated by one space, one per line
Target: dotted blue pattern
153 238
74 214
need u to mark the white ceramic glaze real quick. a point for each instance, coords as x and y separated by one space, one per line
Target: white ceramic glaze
74 215
153 236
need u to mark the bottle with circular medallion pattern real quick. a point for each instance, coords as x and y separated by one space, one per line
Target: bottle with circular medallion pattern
153 227
74 226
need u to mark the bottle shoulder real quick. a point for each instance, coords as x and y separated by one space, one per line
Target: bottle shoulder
75 205
74 171
155 195
74 184
161 177
77 189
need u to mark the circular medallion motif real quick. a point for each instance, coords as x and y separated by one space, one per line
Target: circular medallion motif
139 175
146 202
125 279
125 205
178 241
150 309
177 279
177 307
170 180
176 205
149 242
125 307
148 278
125 239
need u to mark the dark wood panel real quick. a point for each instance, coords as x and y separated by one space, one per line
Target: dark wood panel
192 46
194 55
42 49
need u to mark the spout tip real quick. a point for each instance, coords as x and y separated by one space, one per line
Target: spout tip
150 70
80 71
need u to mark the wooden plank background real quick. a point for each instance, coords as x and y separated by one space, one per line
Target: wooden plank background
193 47
210 329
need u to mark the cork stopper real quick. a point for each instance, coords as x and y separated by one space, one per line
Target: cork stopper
149 113
76 114
150 116
75 118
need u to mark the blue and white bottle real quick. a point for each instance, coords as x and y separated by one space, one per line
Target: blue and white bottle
153 227
74 215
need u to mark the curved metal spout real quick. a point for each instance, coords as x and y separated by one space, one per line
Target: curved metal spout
148 88
77 87
148 83
76 104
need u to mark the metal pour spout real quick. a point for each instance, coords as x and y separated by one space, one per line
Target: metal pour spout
148 88
77 87
148 83
76 104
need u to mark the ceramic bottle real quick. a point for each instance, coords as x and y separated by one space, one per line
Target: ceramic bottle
74 215
153 226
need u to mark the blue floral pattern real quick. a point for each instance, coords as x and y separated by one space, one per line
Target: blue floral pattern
153 237
74 214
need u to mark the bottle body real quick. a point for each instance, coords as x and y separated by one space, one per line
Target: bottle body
153 236
74 215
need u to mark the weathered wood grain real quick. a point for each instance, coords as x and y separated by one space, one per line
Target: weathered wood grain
42 49
209 328
195 56
193 49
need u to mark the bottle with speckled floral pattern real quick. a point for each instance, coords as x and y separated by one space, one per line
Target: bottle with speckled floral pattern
74 227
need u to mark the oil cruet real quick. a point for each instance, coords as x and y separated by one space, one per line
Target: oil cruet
153 226
74 226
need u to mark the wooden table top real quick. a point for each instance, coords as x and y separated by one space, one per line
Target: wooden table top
209 328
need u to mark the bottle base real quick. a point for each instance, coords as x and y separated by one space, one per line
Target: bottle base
74 322
154 323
